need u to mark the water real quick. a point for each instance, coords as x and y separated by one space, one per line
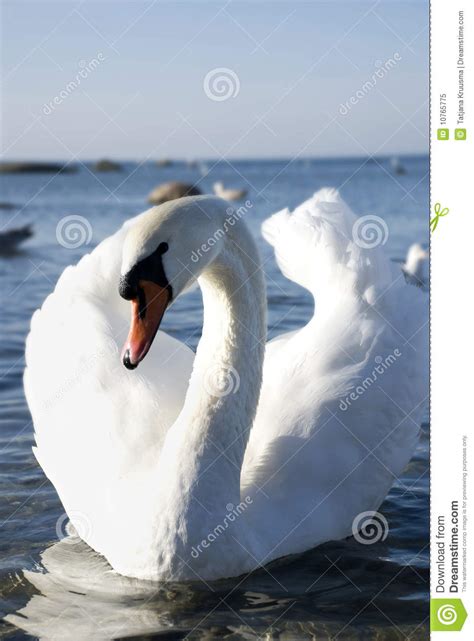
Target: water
341 590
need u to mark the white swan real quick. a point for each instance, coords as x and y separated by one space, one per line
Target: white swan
415 266
228 194
177 481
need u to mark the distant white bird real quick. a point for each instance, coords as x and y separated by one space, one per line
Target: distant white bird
415 266
397 166
228 194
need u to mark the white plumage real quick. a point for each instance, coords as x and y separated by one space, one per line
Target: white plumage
415 267
149 466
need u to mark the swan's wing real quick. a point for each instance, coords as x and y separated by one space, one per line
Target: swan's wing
98 427
342 398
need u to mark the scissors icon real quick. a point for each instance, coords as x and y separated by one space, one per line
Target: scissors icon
438 213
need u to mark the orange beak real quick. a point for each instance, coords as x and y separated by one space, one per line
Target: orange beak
147 311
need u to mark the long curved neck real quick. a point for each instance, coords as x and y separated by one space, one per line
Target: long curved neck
203 452
225 383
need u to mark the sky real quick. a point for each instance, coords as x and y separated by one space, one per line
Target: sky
262 79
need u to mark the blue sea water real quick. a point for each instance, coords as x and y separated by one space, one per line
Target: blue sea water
342 590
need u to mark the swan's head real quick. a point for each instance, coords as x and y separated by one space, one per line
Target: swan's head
164 252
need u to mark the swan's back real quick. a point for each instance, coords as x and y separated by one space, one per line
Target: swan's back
342 398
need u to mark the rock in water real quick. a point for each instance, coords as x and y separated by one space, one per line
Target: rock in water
107 165
171 191
34 168
12 238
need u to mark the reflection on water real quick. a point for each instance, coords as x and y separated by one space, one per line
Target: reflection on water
73 594
62 590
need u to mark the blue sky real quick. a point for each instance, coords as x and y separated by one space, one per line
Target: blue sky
291 66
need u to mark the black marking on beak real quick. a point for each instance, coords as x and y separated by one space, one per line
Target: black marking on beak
127 362
150 268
